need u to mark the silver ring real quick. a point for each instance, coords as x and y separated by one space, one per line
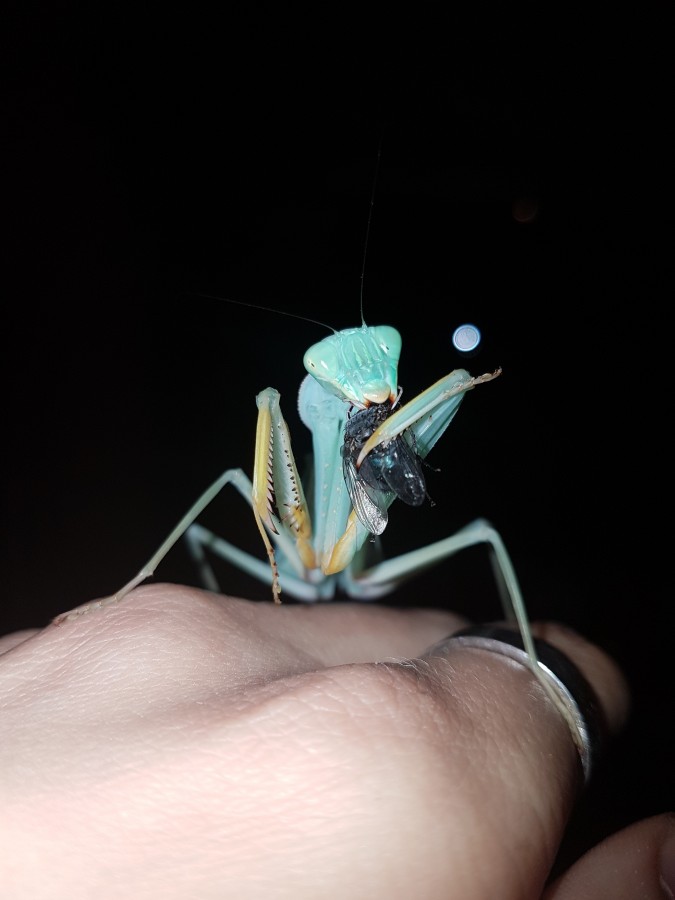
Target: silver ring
585 716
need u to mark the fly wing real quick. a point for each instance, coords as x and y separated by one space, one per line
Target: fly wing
369 504
402 472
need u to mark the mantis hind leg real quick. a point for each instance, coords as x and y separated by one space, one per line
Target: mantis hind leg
383 578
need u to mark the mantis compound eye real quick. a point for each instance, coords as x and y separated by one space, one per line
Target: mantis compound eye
466 338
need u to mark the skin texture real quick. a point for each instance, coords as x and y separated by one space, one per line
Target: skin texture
182 744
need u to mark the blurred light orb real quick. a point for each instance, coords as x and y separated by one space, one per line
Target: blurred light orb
466 338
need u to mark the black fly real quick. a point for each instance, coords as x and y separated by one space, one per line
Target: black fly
390 470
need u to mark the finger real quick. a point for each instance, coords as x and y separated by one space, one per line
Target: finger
638 861
8 641
337 633
258 640
600 670
515 750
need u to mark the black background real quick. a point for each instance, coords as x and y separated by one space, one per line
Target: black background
152 157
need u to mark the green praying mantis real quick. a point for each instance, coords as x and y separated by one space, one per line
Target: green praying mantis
368 450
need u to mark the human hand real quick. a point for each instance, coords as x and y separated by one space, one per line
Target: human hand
186 745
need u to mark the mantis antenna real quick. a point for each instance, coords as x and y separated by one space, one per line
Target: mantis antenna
368 223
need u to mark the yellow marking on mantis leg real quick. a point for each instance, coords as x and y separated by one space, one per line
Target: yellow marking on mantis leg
263 486
343 551
278 499
263 491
